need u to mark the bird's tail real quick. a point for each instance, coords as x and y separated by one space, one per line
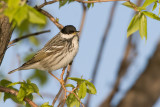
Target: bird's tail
14 70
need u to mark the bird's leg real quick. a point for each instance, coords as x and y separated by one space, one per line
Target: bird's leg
62 81
63 71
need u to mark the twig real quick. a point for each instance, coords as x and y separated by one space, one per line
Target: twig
98 60
81 1
65 80
26 36
97 1
78 99
46 3
51 18
71 92
14 92
83 18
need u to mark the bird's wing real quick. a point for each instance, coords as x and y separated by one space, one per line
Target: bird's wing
55 45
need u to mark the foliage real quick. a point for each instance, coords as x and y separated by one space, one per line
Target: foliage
46 105
139 21
27 88
83 87
63 2
22 15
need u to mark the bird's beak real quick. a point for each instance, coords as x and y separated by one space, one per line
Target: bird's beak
76 33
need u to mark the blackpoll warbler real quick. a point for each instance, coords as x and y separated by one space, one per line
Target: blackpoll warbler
57 53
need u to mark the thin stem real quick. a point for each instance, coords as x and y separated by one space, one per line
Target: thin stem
125 63
83 18
50 17
101 48
54 76
65 80
46 3
97 1
26 36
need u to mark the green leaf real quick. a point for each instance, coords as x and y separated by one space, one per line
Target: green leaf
91 88
0 95
36 89
134 25
78 80
151 15
154 7
159 11
46 105
21 93
5 82
13 3
15 83
82 90
21 15
28 105
62 3
34 40
13 97
70 1
143 26
148 2
72 101
130 5
31 88
92 4
10 13
30 96
89 5
36 17
69 85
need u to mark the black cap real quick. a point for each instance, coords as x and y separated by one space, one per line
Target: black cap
69 29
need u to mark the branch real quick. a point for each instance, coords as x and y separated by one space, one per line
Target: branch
5 35
125 63
83 18
146 90
46 3
98 59
26 36
98 1
50 17
81 1
14 92
65 80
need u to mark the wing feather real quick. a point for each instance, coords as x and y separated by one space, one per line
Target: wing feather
56 44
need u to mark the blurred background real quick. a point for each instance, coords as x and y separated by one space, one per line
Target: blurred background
125 71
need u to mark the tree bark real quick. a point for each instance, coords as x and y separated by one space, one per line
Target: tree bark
5 35
146 90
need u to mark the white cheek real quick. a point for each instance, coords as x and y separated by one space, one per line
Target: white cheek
67 36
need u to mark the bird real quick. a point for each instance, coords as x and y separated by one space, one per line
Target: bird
57 53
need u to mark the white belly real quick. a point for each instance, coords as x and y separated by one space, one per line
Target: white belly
69 56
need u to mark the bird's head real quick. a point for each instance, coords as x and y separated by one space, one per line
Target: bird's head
69 31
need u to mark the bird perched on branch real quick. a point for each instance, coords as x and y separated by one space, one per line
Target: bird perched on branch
57 53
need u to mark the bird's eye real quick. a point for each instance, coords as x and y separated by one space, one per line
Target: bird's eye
71 32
